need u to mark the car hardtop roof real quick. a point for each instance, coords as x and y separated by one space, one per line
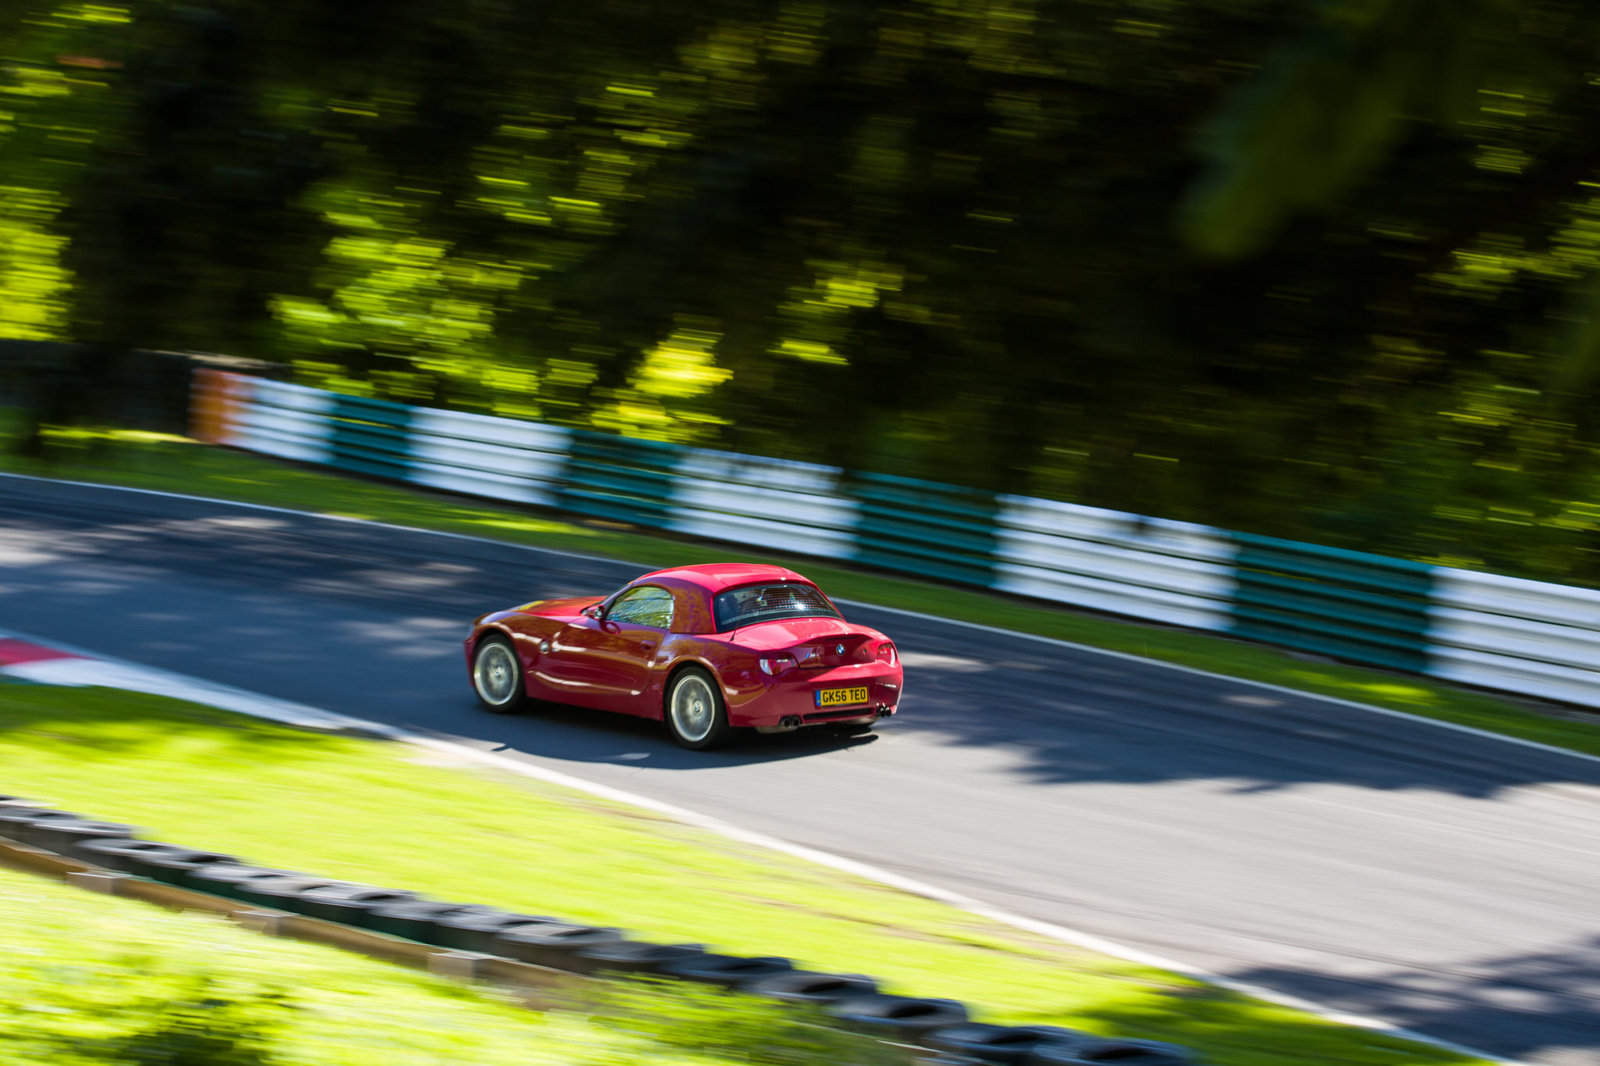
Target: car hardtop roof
715 577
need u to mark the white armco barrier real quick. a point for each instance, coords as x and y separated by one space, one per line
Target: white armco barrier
1173 572
1507 633
274 418
481 455
774 503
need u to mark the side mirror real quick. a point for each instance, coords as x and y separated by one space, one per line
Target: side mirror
594 610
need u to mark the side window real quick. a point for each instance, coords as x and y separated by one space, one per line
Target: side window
647 605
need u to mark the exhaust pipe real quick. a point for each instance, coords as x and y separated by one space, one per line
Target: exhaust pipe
787 724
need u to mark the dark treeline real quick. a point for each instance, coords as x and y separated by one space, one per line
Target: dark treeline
1323 269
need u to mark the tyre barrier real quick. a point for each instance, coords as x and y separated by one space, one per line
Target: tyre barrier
280 892
64 835
121 855
1006 1043
728 971
15 820
180 866
1118 1052
807 986
417 919
230 879
552 944
474 932
634 956
347 904
489 934
905 1019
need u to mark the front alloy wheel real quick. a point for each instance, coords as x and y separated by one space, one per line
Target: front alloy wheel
696 716
497 676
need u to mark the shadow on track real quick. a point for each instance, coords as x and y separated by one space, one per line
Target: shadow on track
1537 1005
581 735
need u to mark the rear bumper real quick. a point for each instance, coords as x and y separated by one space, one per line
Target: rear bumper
793 695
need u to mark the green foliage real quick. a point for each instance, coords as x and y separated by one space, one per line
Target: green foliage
201 1026
728 1025
95 980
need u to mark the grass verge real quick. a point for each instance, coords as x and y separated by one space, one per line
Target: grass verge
383 813
175 464
95 980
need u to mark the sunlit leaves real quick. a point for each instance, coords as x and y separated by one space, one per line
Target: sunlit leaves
55 66
34 287
795 35
810 352
683 367
411 311
97 13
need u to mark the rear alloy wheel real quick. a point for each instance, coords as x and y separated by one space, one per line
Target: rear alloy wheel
497 676
696 716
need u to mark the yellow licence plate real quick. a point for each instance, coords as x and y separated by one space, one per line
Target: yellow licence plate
841 697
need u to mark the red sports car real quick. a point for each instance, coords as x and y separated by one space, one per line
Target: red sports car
708 649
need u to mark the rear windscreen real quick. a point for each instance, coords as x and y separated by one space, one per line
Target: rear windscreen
769 603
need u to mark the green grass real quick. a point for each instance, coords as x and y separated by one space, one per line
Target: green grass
177 465
389 814
96 980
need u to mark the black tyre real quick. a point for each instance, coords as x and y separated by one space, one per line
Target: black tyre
808 986
903 1018
497 676
551 943
474 930
726 970
632 957
696 716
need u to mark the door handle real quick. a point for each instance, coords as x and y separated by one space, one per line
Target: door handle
646 645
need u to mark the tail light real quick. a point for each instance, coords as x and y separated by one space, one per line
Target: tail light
773 665
886 652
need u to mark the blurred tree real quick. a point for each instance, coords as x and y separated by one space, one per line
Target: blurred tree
1322 268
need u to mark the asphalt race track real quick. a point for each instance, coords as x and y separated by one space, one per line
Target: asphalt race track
1444 882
